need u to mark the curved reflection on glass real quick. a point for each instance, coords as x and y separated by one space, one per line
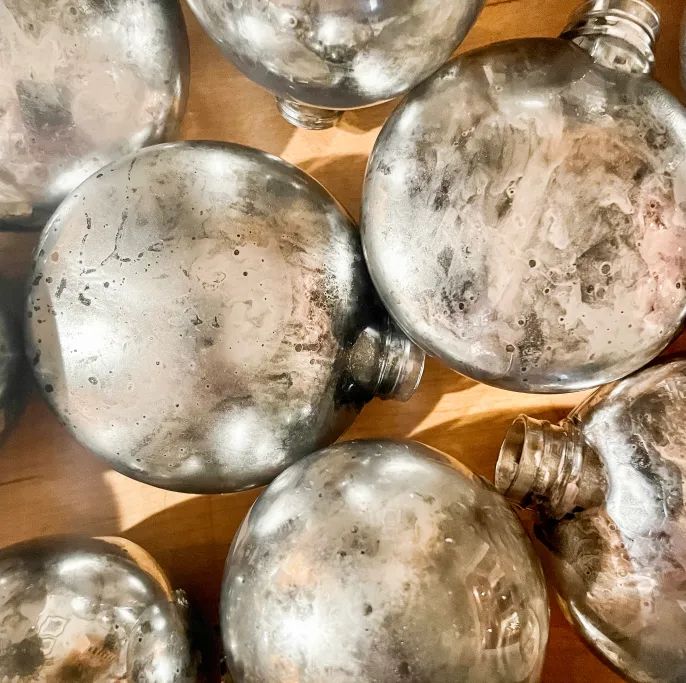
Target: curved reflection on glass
382 561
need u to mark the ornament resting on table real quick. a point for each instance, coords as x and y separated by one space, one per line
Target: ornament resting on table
523 215
608 484
90 609
82 83
320 58
201 317
382 561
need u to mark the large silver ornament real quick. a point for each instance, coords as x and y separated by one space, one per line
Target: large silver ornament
93 610
375 561
82 83
323 56
524 216
608 483
201 317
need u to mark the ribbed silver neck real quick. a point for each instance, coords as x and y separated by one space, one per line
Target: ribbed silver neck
619 34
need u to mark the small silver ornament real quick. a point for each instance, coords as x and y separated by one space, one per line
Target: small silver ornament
608 484
93 610
382 561
523 214
82 82
201 317
320 58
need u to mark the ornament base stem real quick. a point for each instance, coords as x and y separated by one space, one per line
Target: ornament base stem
305 116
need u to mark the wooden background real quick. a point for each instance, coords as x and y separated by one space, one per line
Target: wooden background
49 484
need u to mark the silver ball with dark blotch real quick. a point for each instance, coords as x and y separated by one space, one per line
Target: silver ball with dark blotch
201 317
608 484
82 83
382 561
94 610
523 214
319 58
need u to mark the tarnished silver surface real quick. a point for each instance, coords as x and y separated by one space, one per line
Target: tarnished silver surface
524 216
382 561
608 484
82 83
201 317
336 54
92 610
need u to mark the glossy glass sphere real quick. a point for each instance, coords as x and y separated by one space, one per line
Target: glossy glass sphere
94 610
382 561
82 83
332 54
523 216
608 484
200 316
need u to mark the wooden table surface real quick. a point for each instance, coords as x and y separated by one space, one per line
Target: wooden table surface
49 484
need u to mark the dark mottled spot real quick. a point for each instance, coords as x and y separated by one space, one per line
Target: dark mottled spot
60 288
22 659
368 609
49 388
93 380
84 300
445 259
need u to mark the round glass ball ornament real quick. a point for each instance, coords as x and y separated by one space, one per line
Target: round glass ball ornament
201 317
523 214
382 561
82 83
90 609
607 484
320 57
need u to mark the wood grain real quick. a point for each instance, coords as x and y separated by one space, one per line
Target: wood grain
49 484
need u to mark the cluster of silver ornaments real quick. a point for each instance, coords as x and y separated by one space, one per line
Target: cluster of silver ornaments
608 483
320 57
382 561
201 317
523 214
90 609
82 83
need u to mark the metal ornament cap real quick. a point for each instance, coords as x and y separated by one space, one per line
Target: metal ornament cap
322 58
382 561
201 316
90 609
82 83
522 214
607 484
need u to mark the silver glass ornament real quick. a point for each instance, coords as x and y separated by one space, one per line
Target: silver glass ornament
201 317
320 57
92 610
523 214
608 483
82 83
375 561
